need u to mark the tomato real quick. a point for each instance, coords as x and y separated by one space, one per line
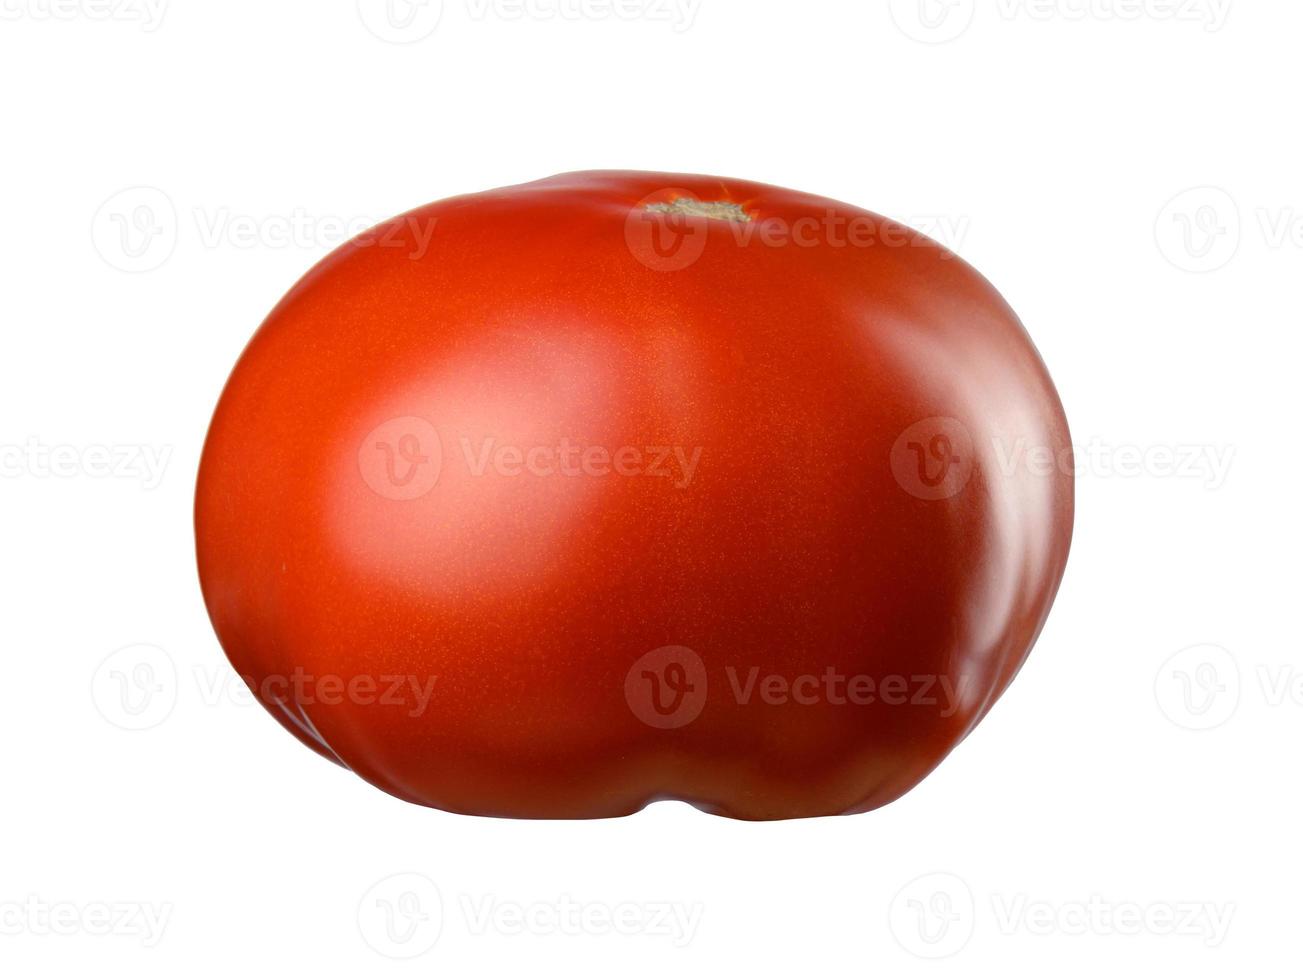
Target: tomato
563 498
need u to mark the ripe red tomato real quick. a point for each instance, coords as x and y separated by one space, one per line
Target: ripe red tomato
562 498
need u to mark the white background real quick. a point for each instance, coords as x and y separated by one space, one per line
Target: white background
1126 172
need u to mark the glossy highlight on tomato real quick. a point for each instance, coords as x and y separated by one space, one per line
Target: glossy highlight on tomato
559 499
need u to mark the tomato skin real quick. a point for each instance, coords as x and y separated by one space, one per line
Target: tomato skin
403 491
